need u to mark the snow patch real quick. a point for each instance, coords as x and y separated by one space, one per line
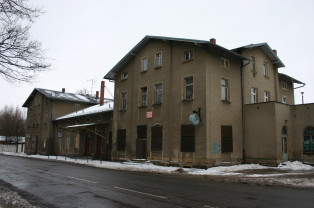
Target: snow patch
296 165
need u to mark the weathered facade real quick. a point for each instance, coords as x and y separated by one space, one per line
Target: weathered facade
164 83
42 107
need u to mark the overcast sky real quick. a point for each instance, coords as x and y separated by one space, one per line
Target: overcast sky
85 39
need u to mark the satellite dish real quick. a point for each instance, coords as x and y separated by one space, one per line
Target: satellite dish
194 119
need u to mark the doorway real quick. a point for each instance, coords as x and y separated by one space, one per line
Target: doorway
141 142
284 136
87 141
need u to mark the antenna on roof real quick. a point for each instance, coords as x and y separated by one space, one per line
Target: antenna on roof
92 85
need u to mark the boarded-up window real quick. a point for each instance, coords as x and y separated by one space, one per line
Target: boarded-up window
142 132
226 139
187 138
121 141
156 144
77 141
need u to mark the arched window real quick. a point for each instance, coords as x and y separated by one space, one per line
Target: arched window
308 144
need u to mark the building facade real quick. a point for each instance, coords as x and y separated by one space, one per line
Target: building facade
192 103
43 106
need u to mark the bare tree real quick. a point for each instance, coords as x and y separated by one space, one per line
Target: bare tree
21 59
12 123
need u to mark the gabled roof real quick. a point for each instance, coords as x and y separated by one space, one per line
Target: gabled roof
285 77
56 95
106 107
267 50
129 56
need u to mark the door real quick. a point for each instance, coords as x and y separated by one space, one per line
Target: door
141 142
87 138
284 136
98 150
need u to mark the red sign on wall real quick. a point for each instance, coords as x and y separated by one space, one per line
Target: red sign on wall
149 114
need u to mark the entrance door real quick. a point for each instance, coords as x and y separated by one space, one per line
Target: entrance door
98 145
284 135
141 142
87 138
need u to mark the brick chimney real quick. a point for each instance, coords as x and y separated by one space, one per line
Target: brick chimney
275 51
213 40
97 94
102 92
63 90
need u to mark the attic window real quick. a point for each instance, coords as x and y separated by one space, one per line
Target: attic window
124 76
188 56
284 85
224 63
158 60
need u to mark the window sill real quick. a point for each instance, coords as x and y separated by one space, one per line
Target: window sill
308 153
185 61
122 110
142 106
226 101
157 104
144 71
266 76
157 67
188 100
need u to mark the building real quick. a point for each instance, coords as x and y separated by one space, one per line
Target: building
86 132
195 103
43 106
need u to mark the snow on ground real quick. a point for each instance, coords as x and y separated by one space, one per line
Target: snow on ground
289 173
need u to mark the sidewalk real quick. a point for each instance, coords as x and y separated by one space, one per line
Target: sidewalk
294 174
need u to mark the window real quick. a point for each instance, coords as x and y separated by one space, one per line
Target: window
124 75
187 138
60 143
224 63
226 139
143 101
158 93
144 64
188 88
284 86
265 69
188 56
77 141
158 60
266 96
284 136
284 99
308 144
253 95
225 90
156 144
253 63
121 140
68 142
60 134
123 100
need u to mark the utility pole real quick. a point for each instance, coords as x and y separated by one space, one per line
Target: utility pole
302 93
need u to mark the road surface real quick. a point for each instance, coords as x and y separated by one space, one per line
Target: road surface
68 185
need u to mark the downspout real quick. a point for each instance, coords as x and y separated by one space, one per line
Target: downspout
243 113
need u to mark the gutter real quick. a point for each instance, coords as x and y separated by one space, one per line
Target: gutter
243 113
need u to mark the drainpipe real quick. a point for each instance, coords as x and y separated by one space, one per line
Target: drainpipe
243 113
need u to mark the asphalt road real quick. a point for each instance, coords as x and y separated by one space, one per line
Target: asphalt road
68 185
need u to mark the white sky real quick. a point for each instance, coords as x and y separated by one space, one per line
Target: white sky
85 39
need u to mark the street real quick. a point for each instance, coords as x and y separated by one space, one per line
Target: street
69 185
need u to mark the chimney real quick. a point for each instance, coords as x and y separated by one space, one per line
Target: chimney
275 51
97 94
213 40
102 92
63 90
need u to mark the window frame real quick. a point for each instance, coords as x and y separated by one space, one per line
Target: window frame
284 85
225 90
253 66
186 86
224 63
123 101
254 95
143 69
190 54
265 69
143 96
158 59
309 133
266 96
284 99
124 76
157 100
